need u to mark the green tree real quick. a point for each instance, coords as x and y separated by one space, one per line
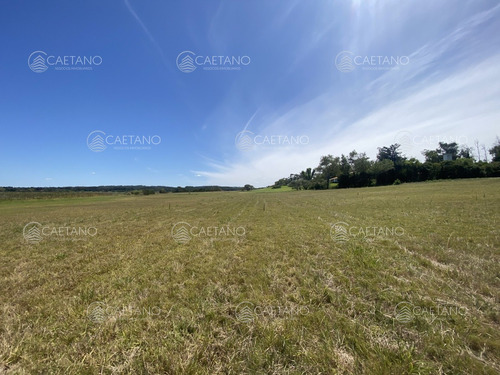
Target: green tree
308 174
495 150
296 184
382 166
432 156
328 168
390 153
383 171
360 163
449 148
465 152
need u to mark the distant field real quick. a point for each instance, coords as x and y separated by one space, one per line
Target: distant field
270 189
16 195
385 280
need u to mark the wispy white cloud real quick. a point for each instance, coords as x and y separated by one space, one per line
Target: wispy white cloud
429 61
444 93
464 105
146 30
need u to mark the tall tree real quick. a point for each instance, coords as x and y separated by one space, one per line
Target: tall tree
360 163
449 148
465 152
328 167
390 153
432 156
476 143
483 147
495 150
308 174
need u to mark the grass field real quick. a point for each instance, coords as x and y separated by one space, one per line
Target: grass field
407 281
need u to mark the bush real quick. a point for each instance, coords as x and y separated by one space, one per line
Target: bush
397 182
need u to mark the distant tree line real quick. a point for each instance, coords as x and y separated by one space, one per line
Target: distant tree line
130 189
449 161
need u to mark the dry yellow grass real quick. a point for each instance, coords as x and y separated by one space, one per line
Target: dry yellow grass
281 296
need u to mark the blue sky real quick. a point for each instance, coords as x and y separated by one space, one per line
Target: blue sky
442 85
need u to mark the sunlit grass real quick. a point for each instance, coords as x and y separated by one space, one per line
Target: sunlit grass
316 305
